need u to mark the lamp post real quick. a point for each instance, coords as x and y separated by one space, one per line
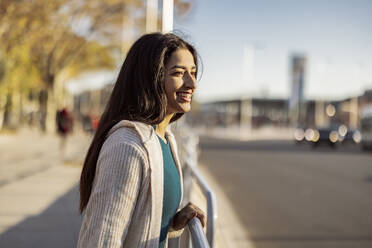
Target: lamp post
246 101
167 17
152 16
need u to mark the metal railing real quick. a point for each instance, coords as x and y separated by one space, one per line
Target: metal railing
211 201
190 161
189 144
197 234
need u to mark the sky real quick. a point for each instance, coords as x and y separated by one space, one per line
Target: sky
334 35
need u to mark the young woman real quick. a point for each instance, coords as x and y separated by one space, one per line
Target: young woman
131 182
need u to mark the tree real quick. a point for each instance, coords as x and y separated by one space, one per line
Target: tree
61 34
62 37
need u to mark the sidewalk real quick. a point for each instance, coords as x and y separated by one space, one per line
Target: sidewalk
38 190
29 152
39 194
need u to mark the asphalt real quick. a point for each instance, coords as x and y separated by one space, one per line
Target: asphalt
288 195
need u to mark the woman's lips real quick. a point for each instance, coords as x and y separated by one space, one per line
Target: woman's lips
185 96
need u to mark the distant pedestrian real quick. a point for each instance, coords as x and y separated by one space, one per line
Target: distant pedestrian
64 126
87 123
131 182
95 121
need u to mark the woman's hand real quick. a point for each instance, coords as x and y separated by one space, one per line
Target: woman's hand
190 211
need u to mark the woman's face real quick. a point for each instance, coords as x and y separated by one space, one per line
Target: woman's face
180 82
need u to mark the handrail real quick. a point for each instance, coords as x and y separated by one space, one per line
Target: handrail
190 162
197 234
211 201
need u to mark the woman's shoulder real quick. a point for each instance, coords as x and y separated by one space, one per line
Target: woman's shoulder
122 154
124 136
131 134
142 131
120 147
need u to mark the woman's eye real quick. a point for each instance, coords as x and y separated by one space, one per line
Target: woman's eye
178 73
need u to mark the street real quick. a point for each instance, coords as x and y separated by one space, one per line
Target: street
295 196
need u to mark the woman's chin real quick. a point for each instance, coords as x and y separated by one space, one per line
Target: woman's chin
181 108
185 109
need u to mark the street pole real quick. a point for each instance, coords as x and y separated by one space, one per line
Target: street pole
354 110
246 114
319 114
167 17
248 78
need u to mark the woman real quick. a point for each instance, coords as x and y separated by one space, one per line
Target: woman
131 182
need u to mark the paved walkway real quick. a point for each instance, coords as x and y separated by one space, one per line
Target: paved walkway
38 190
39 195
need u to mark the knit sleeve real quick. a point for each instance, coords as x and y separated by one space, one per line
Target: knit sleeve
114 195
172 233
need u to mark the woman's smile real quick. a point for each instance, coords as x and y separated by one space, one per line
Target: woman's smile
185 96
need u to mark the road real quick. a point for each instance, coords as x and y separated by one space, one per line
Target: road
295 196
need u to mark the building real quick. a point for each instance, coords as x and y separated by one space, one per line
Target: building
257 112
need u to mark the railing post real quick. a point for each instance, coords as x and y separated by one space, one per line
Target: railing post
174 243
211 218
198 238
197 234
211 202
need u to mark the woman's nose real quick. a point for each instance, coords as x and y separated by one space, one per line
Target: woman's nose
190 81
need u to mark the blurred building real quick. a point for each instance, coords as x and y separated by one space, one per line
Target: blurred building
89 106
258 112
296 104
366 98
247 112
254 112
92 101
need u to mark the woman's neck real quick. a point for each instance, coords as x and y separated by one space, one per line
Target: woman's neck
162 126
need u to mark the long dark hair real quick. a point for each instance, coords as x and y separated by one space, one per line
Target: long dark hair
138 95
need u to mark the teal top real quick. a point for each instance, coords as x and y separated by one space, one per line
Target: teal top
171 191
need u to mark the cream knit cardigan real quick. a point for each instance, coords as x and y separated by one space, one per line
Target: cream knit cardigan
125 206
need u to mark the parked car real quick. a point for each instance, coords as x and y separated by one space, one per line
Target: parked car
299 135
328 136
352 136
366 127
